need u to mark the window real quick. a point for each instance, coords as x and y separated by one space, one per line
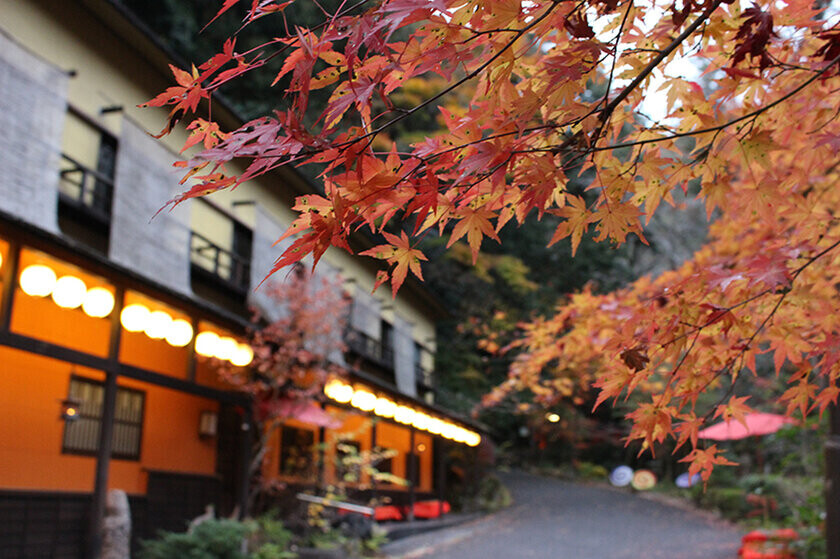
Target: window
297 448
86 186
81 436
220 253
388 343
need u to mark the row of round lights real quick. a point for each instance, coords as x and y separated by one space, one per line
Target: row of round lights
367 401
68 292
210 344
159 325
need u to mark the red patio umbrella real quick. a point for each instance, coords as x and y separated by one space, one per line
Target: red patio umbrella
757 424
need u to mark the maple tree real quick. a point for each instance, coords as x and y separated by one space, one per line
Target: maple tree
756 143
294 355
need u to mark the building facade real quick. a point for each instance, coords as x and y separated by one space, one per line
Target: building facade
113 315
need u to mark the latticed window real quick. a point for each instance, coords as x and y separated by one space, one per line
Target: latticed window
81 436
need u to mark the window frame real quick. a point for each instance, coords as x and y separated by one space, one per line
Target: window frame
135 457
286 450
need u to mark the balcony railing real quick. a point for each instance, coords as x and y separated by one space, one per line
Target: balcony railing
231 269
86 190
369 348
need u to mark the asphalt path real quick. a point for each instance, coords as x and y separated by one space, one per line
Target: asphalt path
554 519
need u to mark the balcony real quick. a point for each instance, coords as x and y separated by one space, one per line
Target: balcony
84 203
220 267
373 350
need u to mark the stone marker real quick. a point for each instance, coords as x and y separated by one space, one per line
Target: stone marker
116 526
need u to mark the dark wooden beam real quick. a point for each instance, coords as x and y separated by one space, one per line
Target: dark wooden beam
412 475
55 351
245 445
106 432
7 297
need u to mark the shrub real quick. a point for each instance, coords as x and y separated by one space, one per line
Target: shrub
213 539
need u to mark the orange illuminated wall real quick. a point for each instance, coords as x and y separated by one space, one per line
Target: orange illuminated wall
30 428
395 437
138 349
40 317
31 432
354 427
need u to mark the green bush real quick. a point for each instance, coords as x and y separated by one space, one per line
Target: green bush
588 470
492 494
213 539
729 501
266 536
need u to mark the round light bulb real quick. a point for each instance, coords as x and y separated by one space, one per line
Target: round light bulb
384 407
553 417
225 348
242 356
134 317
363 400
37 280
69 292
435 426
473 439
404 415
205 343
157 326
179 333
343 394
449 431
421 421
98 302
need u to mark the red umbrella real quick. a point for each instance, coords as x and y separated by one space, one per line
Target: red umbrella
757 424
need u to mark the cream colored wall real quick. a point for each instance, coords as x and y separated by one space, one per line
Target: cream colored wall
109 72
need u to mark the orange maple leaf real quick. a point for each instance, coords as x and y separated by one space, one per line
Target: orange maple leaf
475 224
399 254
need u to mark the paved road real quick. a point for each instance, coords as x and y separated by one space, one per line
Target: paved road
553 519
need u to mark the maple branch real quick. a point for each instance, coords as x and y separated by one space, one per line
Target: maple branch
719 127
461 81
644 72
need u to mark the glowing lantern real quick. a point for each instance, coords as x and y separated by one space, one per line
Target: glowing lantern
404 415
37 280
363 400
70 409
449 431
384 407
157 325
338 391
435 426
225 348
553 417
205 343
179 333
473 439
134 318
421 421
69 292
98 302
243 355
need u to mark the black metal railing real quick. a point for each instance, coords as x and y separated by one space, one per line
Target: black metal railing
85 189
424 376
232 269
370 348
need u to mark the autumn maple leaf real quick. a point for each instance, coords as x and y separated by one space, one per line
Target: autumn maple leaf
475 224
399 254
